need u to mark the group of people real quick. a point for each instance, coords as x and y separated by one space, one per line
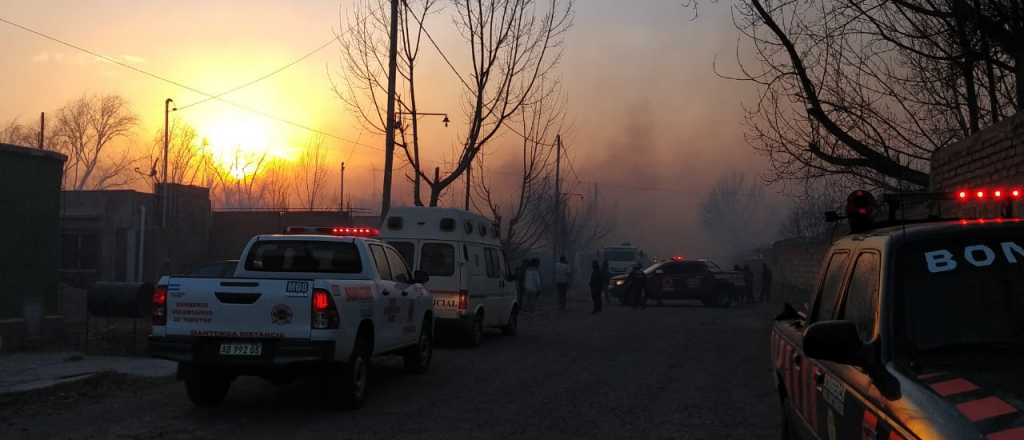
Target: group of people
748 282
529 284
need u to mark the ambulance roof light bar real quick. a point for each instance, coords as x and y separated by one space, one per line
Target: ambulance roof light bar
340 231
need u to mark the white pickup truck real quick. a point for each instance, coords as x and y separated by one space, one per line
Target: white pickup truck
314 301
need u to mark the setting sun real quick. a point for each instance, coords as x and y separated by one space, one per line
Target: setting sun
238 143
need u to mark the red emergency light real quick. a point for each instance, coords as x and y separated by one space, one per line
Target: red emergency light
983 194
677 258
355 232
341 231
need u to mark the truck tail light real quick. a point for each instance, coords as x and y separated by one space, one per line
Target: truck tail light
324 313
463 300
160 305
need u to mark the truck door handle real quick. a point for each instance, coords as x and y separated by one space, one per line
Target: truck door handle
405 293
385 293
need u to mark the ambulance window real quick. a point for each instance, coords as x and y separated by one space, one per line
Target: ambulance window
437 259
381 261
407 250
395 223
493 269
862 295
447 224
825 307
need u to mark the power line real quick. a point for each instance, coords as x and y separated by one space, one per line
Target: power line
438 48
461 78
184 86
261 78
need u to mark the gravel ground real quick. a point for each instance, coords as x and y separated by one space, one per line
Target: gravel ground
679 372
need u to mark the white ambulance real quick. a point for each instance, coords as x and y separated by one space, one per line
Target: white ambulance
461 252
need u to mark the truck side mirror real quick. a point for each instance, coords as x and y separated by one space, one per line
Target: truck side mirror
420 277
836 341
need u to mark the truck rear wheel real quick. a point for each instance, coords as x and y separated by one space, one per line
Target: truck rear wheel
476 331
417 358
206 387
347 386
512 327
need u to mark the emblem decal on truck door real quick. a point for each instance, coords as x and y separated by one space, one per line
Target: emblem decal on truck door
281 314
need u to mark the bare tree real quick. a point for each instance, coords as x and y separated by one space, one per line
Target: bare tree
869 89
734 213
84 130
521 231
806 218
513 46
311 174
276 186
236 183
363 84
189 157
15 133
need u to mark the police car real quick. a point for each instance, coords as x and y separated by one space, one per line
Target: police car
313 301
915 330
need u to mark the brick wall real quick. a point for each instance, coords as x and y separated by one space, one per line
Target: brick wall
993 156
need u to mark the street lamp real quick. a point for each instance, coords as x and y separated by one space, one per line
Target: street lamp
167 111
418 114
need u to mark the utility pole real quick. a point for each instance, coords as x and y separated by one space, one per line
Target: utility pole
341 191
389 142
558 197
166 200
42 129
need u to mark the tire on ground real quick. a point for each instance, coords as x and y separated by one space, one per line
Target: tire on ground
475 332
511 328
416 359
206 386
347 384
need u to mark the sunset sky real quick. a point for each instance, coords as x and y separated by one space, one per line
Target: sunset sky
645 107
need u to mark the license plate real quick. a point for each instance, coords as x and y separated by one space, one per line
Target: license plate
241 349
446 302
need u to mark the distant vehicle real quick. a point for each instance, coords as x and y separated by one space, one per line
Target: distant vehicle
621 259
914 331
220 269
316 301
461 252
678 279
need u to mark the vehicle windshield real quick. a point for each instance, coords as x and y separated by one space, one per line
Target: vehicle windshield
304 256
963 292
620 254
650 269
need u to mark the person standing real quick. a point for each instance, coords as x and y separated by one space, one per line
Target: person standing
636 283
748 284
563 275
531 285
597 283
520 281
766 283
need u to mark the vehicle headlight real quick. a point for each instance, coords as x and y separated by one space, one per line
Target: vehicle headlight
619 282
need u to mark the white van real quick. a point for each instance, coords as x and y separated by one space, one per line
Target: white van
461 251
